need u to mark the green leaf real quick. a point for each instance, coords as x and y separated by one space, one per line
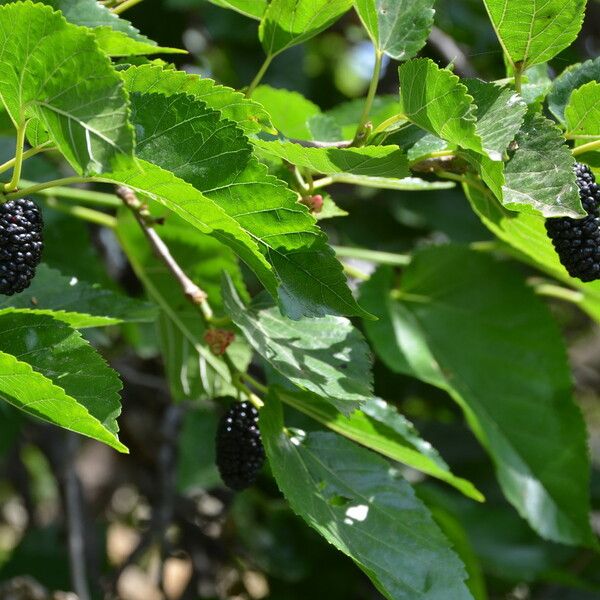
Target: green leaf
409 184
289 111
287 23
261 209
500 113
84 110
570 79
534 31
540 174
92 14
48 371
511 368
435 100
248 114
162 186
379 426
250 8
373 161
193 371
362 506
77 303
348 114
117 43
398 28
326 356
583 113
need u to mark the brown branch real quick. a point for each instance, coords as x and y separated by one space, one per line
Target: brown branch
192 292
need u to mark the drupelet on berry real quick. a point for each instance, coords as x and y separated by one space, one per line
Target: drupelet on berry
239 450
577 241
21 244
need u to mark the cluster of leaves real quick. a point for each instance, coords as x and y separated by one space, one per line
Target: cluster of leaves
229 174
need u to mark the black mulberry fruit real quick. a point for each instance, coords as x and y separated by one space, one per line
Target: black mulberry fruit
577 241
21 244
240 453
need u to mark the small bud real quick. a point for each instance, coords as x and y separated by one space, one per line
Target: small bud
314 203
218 340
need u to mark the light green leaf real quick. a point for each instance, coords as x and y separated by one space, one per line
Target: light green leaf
511 368
398 28
500 113
409 184
379 426
326 356
540 174
77 303
534 31
162 186
48 371
250 8
193 371
248 114
362 506
330 209
287 23
435 100
215 160
583 113
289 111
570 79
118 43
374 161
92 14
84 110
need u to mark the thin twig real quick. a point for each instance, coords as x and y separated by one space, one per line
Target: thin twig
192 292
75 523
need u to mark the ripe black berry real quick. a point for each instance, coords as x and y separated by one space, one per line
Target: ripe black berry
21 244
240 453
577 241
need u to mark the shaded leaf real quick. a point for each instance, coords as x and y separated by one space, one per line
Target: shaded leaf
77 303
327 356
193 371
511 376
362 506
500 113
380 427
